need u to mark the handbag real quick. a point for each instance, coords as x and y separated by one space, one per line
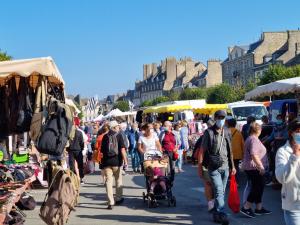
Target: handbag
233 198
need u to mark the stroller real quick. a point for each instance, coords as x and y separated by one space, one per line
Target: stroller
159 179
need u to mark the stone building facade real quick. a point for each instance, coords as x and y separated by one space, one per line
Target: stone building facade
211 76
171 74
288 54
243 62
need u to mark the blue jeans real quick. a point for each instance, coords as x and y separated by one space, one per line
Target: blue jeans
135 159
179 160
292 217
219 179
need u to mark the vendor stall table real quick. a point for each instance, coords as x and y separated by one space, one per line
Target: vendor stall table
15 198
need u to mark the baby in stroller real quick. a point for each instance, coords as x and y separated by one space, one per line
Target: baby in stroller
158 182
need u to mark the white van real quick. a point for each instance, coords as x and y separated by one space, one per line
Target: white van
241 110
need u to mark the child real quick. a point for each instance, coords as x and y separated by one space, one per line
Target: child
158 178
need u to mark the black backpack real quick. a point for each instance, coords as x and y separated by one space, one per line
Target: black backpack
113 147
55 133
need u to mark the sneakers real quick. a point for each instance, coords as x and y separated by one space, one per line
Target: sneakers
81 182
262 211
210 205
109 207
247 212
220 217
119 202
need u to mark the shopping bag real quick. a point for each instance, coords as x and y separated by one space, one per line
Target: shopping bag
89 167
233 198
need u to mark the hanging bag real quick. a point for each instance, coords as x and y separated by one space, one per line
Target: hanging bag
233 198
39 116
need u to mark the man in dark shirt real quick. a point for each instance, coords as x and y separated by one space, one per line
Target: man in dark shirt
112 163
75 153
218 158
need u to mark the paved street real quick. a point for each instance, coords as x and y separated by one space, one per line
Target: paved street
191 207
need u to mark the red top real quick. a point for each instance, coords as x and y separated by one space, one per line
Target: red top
169 142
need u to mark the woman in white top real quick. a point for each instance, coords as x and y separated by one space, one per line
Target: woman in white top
148 141
288 174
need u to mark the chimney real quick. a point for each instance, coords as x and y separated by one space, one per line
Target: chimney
297 48
154 68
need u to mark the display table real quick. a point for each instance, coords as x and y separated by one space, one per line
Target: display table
15 197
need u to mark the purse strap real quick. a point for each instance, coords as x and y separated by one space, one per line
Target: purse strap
222 140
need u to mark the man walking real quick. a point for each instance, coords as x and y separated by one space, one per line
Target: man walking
75 153
133 137
218 158
114 153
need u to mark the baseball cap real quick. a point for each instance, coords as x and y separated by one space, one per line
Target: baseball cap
220 113
113 124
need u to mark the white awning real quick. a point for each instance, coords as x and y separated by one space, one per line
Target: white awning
31 67
275 88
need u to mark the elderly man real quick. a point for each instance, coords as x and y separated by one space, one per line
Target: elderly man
114 153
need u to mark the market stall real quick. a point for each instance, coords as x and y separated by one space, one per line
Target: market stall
285 86
31 96
210 109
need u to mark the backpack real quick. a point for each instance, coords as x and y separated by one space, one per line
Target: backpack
56 131
113 147
26 202
60 200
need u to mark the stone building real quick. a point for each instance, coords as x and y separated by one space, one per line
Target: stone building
159 79
245 63
211 76
288 54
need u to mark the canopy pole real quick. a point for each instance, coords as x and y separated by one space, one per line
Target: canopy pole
297 96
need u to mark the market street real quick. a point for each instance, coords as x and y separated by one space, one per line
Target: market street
191 206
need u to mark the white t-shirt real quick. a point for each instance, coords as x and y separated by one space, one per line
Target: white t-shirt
148 143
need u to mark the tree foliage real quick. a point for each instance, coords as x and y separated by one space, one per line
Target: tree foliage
279 72
122 105
160 99
4 56
193 93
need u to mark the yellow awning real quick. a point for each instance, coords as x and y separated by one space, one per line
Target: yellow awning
151 109
167 108
211 108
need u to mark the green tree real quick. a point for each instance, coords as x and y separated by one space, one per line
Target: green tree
122 105
279 72
146 103
193 93
4 56
221 94
173 95
160 99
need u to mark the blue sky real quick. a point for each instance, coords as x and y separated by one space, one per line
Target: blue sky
100 46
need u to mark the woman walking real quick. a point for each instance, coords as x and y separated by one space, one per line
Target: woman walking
254 163
288 174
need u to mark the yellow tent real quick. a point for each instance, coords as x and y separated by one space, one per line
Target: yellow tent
167 108
211 108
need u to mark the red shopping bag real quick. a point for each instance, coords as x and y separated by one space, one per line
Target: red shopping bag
233 198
